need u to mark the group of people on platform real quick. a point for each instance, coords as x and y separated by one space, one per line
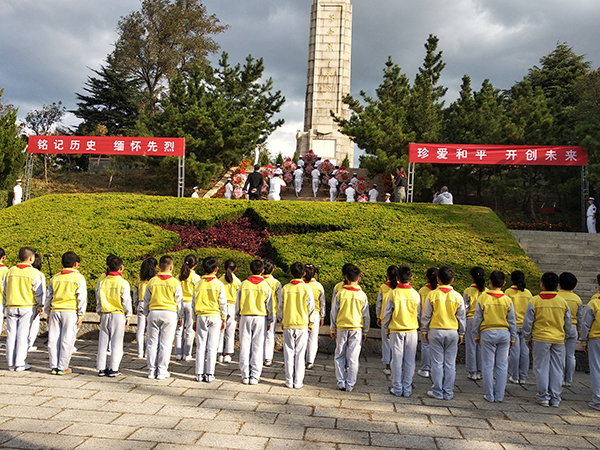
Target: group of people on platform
499 328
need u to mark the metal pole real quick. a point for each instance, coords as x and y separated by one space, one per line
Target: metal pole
411 182
181 177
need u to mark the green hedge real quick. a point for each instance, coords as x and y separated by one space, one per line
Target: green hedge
371 235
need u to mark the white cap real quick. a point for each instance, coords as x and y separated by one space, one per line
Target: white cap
387 194
195 188
300 156
591 198
354 174
278 172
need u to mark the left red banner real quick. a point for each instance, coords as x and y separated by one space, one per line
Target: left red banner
107 145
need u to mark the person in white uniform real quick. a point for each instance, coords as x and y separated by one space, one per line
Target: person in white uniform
195 193
350 193
256 154
228 189
591 216
17 192
373 194
298 178
300 162
316 175
354 178
333 188
275 185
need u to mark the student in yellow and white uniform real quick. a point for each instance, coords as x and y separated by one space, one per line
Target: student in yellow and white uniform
590 337
113 303
66 303
34 328
184 336
567 282
3 272
400 324
431 277
147 272
253 312
295 312
163 307
519 352
312 346
495 332
102 277
276 293
24 295
227 337
209 306
350 321
546 325
472 350
382 296
338 287
443 328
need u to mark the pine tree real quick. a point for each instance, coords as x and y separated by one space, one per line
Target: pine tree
12 145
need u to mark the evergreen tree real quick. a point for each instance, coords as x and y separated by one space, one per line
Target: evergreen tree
460 116
12 157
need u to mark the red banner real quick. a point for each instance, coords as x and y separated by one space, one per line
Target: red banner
521 155
105 145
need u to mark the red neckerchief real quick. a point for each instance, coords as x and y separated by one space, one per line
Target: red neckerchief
428 286
23 266
2 265
514 287
496 294
164 276
352 288
548 296
255 279
115 274
404 286
295 282
66 271
208 278
475 286
388 284
445 290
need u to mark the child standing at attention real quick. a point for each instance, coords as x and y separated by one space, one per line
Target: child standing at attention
253 312
23 296
590 334
400 324
162 305
567 282
295 312
184 336
65 305
519 352
113 304
443 329
227 337
276 293
147 272
546 325
382 297
209 306
495 331
318 316
349 326
470 296
431 277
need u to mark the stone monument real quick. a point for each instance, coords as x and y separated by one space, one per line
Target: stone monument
328 81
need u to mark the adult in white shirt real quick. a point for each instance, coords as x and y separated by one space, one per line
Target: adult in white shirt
387 197
444 197
298 178
333 188
354 179
373 194
350 192
318 162
301 162
591 216
316 180
275 186
17 193
195 193
256 154
229 189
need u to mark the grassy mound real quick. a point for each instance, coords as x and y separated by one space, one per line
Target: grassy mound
373 236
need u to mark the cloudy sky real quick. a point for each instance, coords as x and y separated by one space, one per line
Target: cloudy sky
48 46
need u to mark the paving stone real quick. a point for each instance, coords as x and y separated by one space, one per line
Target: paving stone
125 397
478 413
166 435
320 402
22 400
305 421
461 444
492 435
287 444
402 441
166 399
23 389
99 430
276 431
557 440
80 404
509 446
6 436
29 412
143 420
34 425
210 426
368 405
229 405
132 408
540 418
340 413
68 393
246 416
575 430
232 441
262 398
513 425
400 418
366 425
43 441
459 422
285 409
337 436
109 387
201 394
104 444
428 430
73 415
188 411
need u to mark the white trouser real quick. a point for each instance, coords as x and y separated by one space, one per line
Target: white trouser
184 336
425 359
160 336
274 197
519 358
294 355
404 352
18 324
386 351
494 356
472 350
252 345
443 347
62 331
140 334
298 186
315 186
347 353
34 330
332 194
312 346
208 330
227 336
548 366
594 356
591 224
570 360
270 341
112 330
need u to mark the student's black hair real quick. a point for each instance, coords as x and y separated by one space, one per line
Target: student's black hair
230 267
445 274
518 279
189 262
108 260
69 259
37 262
431 276
257 267
148 269
352 273
269 266
210 264
2 252
567 281
165 262
115 264
25 253
392 274
404 274
310 272
345 268
298 270
550 281
497 278
478 278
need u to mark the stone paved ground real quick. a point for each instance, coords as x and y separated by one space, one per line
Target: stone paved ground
83 411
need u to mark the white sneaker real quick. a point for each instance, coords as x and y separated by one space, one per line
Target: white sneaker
387 371
32 348
162 376
472 376
246 380
289 385
179 357
152 375
298 386
423 373
227 359
513 381
188 358
74 350
22 368
209 378
479 376
141 355
220 358
253 380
